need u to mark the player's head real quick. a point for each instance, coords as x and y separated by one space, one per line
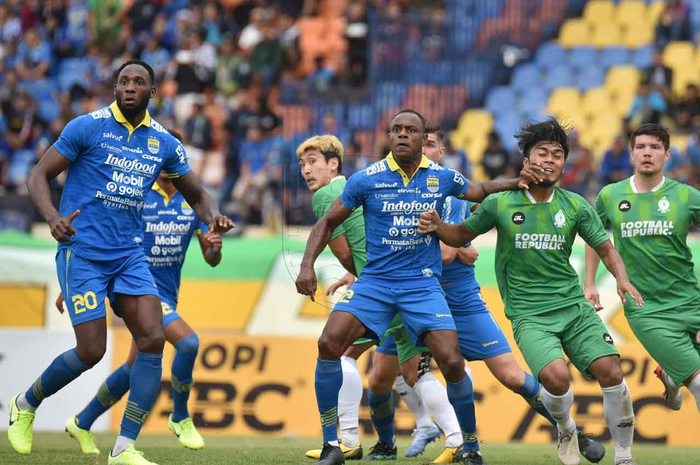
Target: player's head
650 145
407 135
135 86
434 147
545 144
320 160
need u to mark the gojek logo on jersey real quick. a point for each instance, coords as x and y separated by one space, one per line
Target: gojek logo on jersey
170 227
128 165
646 228
408 208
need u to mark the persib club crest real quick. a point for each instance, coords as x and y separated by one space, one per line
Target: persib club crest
664 205
186 209
433 184
559 219
153 145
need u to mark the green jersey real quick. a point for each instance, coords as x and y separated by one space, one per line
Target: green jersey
650 231
353 227
534 245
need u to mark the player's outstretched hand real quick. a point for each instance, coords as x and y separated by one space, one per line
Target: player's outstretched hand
346 280
214 241
530 174
429 222
61 228
221 224
627 288
591 293
59 303
306 282
468 255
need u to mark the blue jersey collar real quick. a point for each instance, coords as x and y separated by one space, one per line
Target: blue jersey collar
393 166
146 121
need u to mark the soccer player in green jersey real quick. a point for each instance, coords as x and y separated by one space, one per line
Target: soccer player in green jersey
541 291
650 216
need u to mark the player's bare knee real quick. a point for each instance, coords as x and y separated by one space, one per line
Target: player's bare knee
453 368
379 382
329 348
512 379
91 355
556 381
152 342
612 376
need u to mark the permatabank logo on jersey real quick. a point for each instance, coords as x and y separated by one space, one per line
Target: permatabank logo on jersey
433 184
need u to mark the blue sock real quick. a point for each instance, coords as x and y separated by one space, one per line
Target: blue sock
381 410
64 369
181 379
329 378
109 393
144 385
531 393
461 397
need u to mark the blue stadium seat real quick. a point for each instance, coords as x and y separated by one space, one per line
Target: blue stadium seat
592 76
499 99
615 56
582 57
533 100
388 95
361 116
506 125
550 53
643 56
527 76
40 89
48 109
558 76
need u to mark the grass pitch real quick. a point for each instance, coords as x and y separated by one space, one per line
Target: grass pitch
59 448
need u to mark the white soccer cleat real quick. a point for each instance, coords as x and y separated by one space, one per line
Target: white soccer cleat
567 448
673 397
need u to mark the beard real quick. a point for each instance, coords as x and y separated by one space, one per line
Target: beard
129 112
546 184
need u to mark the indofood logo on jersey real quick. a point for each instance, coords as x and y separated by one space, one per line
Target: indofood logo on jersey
433 185
646 228
153 145
169 227
128 165
539 241
408 207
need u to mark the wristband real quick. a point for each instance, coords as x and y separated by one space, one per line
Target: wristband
216 254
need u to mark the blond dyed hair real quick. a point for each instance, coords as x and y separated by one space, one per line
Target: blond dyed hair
326 143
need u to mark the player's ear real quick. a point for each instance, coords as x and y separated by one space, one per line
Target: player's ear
526 160
668 155
153 92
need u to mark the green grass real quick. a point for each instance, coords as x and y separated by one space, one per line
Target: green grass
58 448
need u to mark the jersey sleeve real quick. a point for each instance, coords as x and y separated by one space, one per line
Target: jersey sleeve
590 228
454 211
176 164
201 227
458 184
75 137
600 208
321 203
694 205
353 195
484 218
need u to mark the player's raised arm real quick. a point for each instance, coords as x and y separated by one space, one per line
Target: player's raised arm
202 203
589 289
478 191
318 239
341 249
454 235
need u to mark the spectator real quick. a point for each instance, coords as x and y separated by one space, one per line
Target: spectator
579 175
673 24
227 65
267 55
157 57
356 34
683 122
329 125
496 159
212 24
320 80
33 56
679 166
615 165
10 26
106 18
456 159
198 133
647 107
690 102
76 27
660 76
251 35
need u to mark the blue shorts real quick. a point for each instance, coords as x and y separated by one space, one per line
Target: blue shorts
169 311
388 346
86 283
422 309
480 337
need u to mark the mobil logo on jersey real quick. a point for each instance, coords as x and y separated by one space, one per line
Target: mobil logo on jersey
408 208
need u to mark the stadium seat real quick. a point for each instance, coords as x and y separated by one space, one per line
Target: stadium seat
564 101
678 54
680 142
558 76
477 121
614 56
506 125
598 10
526 77
592 76
574 32
622 78
682 77
550 53
606 34
595 101
638 34
642 57
654 11
631 11
533 101
500 98
581 57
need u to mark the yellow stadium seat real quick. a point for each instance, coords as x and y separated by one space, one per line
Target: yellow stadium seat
598 11
638 34
574 32
596 100
578 122
606 34
631 11
622 78
654 11
682 77
622 101
679 54
680 142
457 139
475 149
605 124
564 101
476 121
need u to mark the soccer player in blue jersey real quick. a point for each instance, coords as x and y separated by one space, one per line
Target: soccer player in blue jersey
115 155
402 271
168 226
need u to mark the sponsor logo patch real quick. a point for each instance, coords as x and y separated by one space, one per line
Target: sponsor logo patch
607 338
518 217
433 184
625 206
153 145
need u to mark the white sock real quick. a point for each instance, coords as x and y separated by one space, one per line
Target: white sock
694 388
560 408
349 399
617 404
410 396
434 396
121 445
23 404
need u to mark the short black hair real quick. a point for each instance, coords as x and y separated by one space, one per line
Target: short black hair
653 130
408 110
532 133
433 127
141 63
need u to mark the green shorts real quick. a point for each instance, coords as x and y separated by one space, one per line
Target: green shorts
397 342
669 337
576 329
362 340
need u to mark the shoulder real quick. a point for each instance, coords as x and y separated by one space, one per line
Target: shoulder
322 194
373 169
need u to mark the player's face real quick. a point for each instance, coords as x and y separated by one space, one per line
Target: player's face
648 155
550 156
316 171
406 137
433 149
133 90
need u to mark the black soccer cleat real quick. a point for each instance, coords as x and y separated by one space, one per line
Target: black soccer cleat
589 448
473 458
331 455
382 451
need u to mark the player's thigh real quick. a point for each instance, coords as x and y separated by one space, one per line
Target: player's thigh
409 369
84 285
480 337
385 369
425 310
506 369
143 316
666 337
176 330
585 338
359 347
372 305
538 341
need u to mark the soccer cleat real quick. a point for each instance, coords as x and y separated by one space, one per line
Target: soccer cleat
350 453
627 462
84 437
473 458
567 448
673 398
382 451
186 433
330 455
130 456
450 455
592 450
21 430
421 438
